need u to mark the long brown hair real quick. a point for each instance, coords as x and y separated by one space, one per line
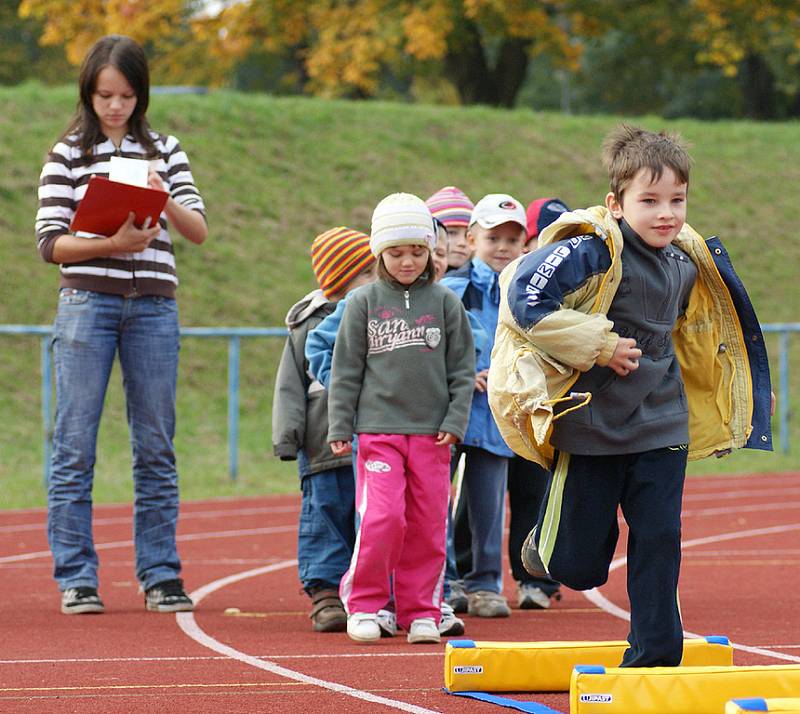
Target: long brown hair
128 58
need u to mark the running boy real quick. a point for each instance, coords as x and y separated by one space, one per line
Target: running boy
620 353
496 234
342 261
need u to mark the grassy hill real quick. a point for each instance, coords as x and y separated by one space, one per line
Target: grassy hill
276 172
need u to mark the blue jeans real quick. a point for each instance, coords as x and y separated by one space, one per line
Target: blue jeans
485 477
326 531
90 329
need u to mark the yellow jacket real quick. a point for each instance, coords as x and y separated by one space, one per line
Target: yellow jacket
532 368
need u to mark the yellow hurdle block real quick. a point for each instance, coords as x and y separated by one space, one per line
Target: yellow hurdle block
783 706
547 666
675 690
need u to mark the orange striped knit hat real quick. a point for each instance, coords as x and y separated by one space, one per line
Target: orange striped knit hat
337 256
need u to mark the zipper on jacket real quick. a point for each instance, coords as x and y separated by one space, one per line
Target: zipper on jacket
405 297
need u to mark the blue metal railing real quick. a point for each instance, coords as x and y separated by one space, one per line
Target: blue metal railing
235 334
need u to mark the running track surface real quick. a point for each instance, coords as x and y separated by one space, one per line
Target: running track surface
740 578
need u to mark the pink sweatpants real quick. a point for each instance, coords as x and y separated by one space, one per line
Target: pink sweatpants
402 491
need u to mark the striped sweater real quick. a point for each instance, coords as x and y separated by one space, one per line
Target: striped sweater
62 185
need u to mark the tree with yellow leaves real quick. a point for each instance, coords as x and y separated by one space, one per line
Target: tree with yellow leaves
164 28
757 41
345 47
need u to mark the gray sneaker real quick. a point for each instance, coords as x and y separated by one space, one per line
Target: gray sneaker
168 596
531 560
81 601
532 597
484 603
458 596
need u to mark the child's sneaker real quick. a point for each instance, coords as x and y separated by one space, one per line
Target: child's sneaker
423 630
458 597
80 601
532 597
531 560
168 596
363 627
449 624
387 622
327 611
484 603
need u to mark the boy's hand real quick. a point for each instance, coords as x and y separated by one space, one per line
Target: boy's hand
772 403
340 448
444 438
481 380
626 357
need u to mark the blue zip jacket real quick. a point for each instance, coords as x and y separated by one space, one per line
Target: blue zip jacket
478 287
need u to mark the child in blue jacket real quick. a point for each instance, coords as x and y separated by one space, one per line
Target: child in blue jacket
496 234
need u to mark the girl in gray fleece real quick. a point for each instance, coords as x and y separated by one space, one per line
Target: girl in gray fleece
402 379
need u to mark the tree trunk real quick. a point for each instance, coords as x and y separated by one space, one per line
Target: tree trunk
509 74
467 68
757 84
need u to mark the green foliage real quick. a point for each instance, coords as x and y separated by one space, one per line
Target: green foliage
21 56
275 173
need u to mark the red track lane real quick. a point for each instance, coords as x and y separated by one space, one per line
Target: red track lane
740 576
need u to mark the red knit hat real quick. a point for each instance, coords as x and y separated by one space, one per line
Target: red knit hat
541 213
337 256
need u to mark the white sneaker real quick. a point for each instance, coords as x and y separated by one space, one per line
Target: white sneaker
363 627
531 597
387 622
449 624
423 630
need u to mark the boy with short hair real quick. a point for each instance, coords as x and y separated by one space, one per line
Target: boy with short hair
342 260
453 208
620 352
496 235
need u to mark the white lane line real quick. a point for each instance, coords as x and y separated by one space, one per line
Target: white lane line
181 538
188 515
596 597
729 495
752 508
324 655
726 480
189 625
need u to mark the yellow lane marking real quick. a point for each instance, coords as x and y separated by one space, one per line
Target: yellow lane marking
236 612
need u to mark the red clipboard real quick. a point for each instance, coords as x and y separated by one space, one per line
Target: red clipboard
106 204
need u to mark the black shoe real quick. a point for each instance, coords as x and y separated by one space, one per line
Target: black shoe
168 596
531 560
81 600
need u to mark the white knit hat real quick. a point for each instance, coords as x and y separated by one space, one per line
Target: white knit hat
401 219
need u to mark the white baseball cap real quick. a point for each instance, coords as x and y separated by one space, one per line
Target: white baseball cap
497 208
